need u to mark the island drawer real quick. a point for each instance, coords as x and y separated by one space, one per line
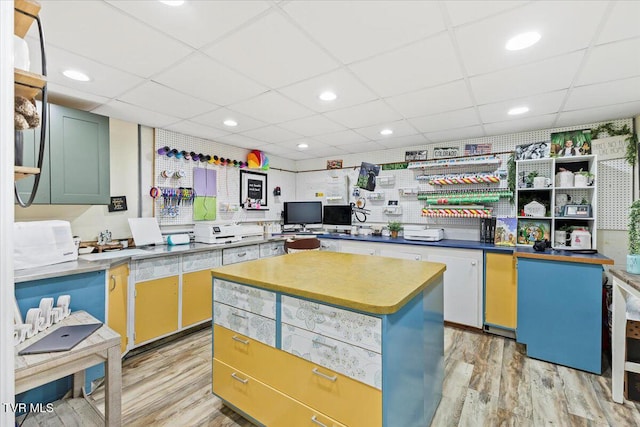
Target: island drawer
153 268
246 323
353 361
240 254
262 402
248 298
271 249
201 260
353 328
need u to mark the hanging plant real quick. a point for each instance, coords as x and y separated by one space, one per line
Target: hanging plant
511 174
631 153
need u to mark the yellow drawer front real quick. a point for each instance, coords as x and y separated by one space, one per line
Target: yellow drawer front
501 290
156 305
262 402
342 398
196 297
244 353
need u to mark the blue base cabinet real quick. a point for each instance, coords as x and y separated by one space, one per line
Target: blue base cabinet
560 312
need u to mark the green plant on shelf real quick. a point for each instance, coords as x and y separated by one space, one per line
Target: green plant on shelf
530 177
634 228
394 226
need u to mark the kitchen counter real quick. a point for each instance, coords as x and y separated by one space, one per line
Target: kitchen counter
363 283
560 255
444 243
84 266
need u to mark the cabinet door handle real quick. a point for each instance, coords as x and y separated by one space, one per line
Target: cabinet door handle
113 280
473 263
417 258
239 315
315 420
325 376
237 378
242 254
237 338
332 347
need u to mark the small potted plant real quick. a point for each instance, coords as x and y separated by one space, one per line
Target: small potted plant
394 227
633 258
583 178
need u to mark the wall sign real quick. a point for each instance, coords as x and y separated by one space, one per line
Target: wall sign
613 147
411 156
118 204
253 190
444 152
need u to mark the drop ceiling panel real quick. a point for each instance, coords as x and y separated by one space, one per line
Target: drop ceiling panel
187 127
611 62
482 44
531 123
105 81
540 77
133 113
363 147
403 141
271 107
313 144
273 52
217 117
327 152
241 141
399 128
446 97
465 11
456 134
538 105
74 98
312 125
354 30
155 97
364 115
195 23
609 93
346 137
105 34
444 121
622 23
271 134
590 115
349 90
423 64
203 78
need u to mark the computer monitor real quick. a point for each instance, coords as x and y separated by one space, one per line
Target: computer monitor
339 215
302 213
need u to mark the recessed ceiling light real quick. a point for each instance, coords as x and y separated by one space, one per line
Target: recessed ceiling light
518 110
523 40
386 132
76 75
172 2
328 96
230 123
303 145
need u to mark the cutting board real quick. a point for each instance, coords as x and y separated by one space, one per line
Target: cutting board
145 231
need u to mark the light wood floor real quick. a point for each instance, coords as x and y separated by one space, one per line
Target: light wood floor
488 382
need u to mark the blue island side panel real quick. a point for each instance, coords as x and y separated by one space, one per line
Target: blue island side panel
87 291
413 371
560 312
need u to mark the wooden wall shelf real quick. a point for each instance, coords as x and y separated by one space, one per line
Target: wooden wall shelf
20 172
22 22
28 84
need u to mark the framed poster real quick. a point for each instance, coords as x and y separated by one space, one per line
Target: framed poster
367 176
411 156
118 203
475 149
535 150
572 143
253 190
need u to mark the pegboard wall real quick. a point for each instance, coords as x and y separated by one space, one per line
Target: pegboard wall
614 182
228 181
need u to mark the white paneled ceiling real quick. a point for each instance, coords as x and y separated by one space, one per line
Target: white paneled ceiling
431 71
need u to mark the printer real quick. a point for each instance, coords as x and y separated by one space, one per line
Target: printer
206 232
422 233
40 243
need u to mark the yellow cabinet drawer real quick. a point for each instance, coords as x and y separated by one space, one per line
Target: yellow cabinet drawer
262 402
501 290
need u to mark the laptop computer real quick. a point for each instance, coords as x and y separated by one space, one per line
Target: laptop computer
62 339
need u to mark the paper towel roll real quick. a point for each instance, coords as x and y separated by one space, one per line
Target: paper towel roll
178 239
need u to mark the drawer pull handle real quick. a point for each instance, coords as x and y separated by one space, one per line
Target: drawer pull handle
113 280
242 254
316 421
239 315
325 376
332 347
237 378
240 340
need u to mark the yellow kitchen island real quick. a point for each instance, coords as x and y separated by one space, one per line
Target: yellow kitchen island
329 339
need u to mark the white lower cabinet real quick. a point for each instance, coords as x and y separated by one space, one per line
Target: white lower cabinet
463 279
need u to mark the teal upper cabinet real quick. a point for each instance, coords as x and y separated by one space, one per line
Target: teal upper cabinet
31 146
76 169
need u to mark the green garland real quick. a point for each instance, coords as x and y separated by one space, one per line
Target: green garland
634 228
511 174
632 139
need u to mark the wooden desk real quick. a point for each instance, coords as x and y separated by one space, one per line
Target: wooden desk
103 345
623 284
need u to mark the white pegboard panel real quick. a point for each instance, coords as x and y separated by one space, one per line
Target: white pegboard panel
228 180
614 183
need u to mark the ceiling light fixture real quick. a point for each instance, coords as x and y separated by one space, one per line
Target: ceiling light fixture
303 145
230 123
76 75
328 96
518 110
172 2
386 132
523 40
